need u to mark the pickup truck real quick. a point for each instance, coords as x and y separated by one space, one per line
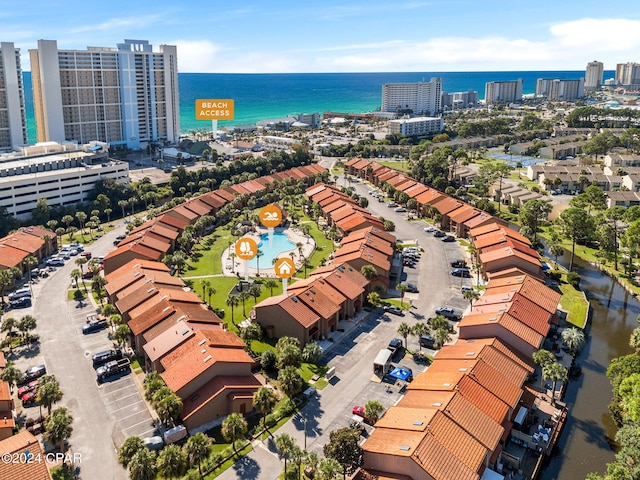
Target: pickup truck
112 368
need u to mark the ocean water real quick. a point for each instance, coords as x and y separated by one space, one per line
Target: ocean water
265 96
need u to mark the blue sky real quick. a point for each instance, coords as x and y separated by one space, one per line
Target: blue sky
341 36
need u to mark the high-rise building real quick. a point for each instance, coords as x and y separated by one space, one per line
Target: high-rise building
13 121
628 73
458 100
593 75
124 96
503 92
556 89
417 126
419 98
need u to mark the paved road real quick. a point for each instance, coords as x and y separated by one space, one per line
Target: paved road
354 354
104 415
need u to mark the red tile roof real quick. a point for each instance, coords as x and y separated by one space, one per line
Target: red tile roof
21 445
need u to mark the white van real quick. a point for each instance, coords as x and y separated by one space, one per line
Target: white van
20 293
175 434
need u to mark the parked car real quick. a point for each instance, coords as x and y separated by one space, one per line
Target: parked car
77 246
105 356
32 373
411 288
86 255
358 410
55 262
466 288
29 398
439 233
29 387
19 293
459 264
112 368
393 309
400 209
448 238
427 341
22 302
118 239
153 443
429 229
449 313
94 326
392 204
394 345
460 272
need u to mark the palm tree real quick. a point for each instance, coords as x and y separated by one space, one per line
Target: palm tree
370 273
76 274
374 299
285 445
264 400
30 262
574 338
48 392
10 374
244 296
6 280
634 340
402 288
259 254
169 408
7 326
143 465
58 427
233 301
404 330
128 449
122 334
471 295
255 291
26 323
234 427
373 410
556 250
198 449
171 462
420 329
328 469
556 373
205 286
441 336
270 283
290 381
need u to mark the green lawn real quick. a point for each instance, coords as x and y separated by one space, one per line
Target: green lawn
401 166
574 303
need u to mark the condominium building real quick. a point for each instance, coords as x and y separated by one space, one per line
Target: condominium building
593 75
125 96
62 174
458 100
503 92
556 89
419 98
628 73
417 126
13 123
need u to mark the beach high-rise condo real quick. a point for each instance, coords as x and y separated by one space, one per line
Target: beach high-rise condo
628 73
556 89
125 96
13 121
593 75
419 98
503 92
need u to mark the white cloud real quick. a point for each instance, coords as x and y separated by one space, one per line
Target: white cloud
566 46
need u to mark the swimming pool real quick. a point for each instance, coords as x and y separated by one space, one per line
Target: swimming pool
281 243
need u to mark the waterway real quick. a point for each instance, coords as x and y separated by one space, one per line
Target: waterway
586 441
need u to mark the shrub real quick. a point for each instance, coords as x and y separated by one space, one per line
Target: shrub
268 360
574 279
556 274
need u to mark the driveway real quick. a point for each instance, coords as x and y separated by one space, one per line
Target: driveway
100 420
352 356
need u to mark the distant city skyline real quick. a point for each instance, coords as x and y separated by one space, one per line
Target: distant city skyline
334 36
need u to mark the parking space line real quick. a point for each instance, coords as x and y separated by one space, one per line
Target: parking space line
146 432
120 389
145 411
121 398
136 424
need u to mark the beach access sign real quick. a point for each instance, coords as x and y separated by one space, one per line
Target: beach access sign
214 109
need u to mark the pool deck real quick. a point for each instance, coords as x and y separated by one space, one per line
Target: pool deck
295 236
